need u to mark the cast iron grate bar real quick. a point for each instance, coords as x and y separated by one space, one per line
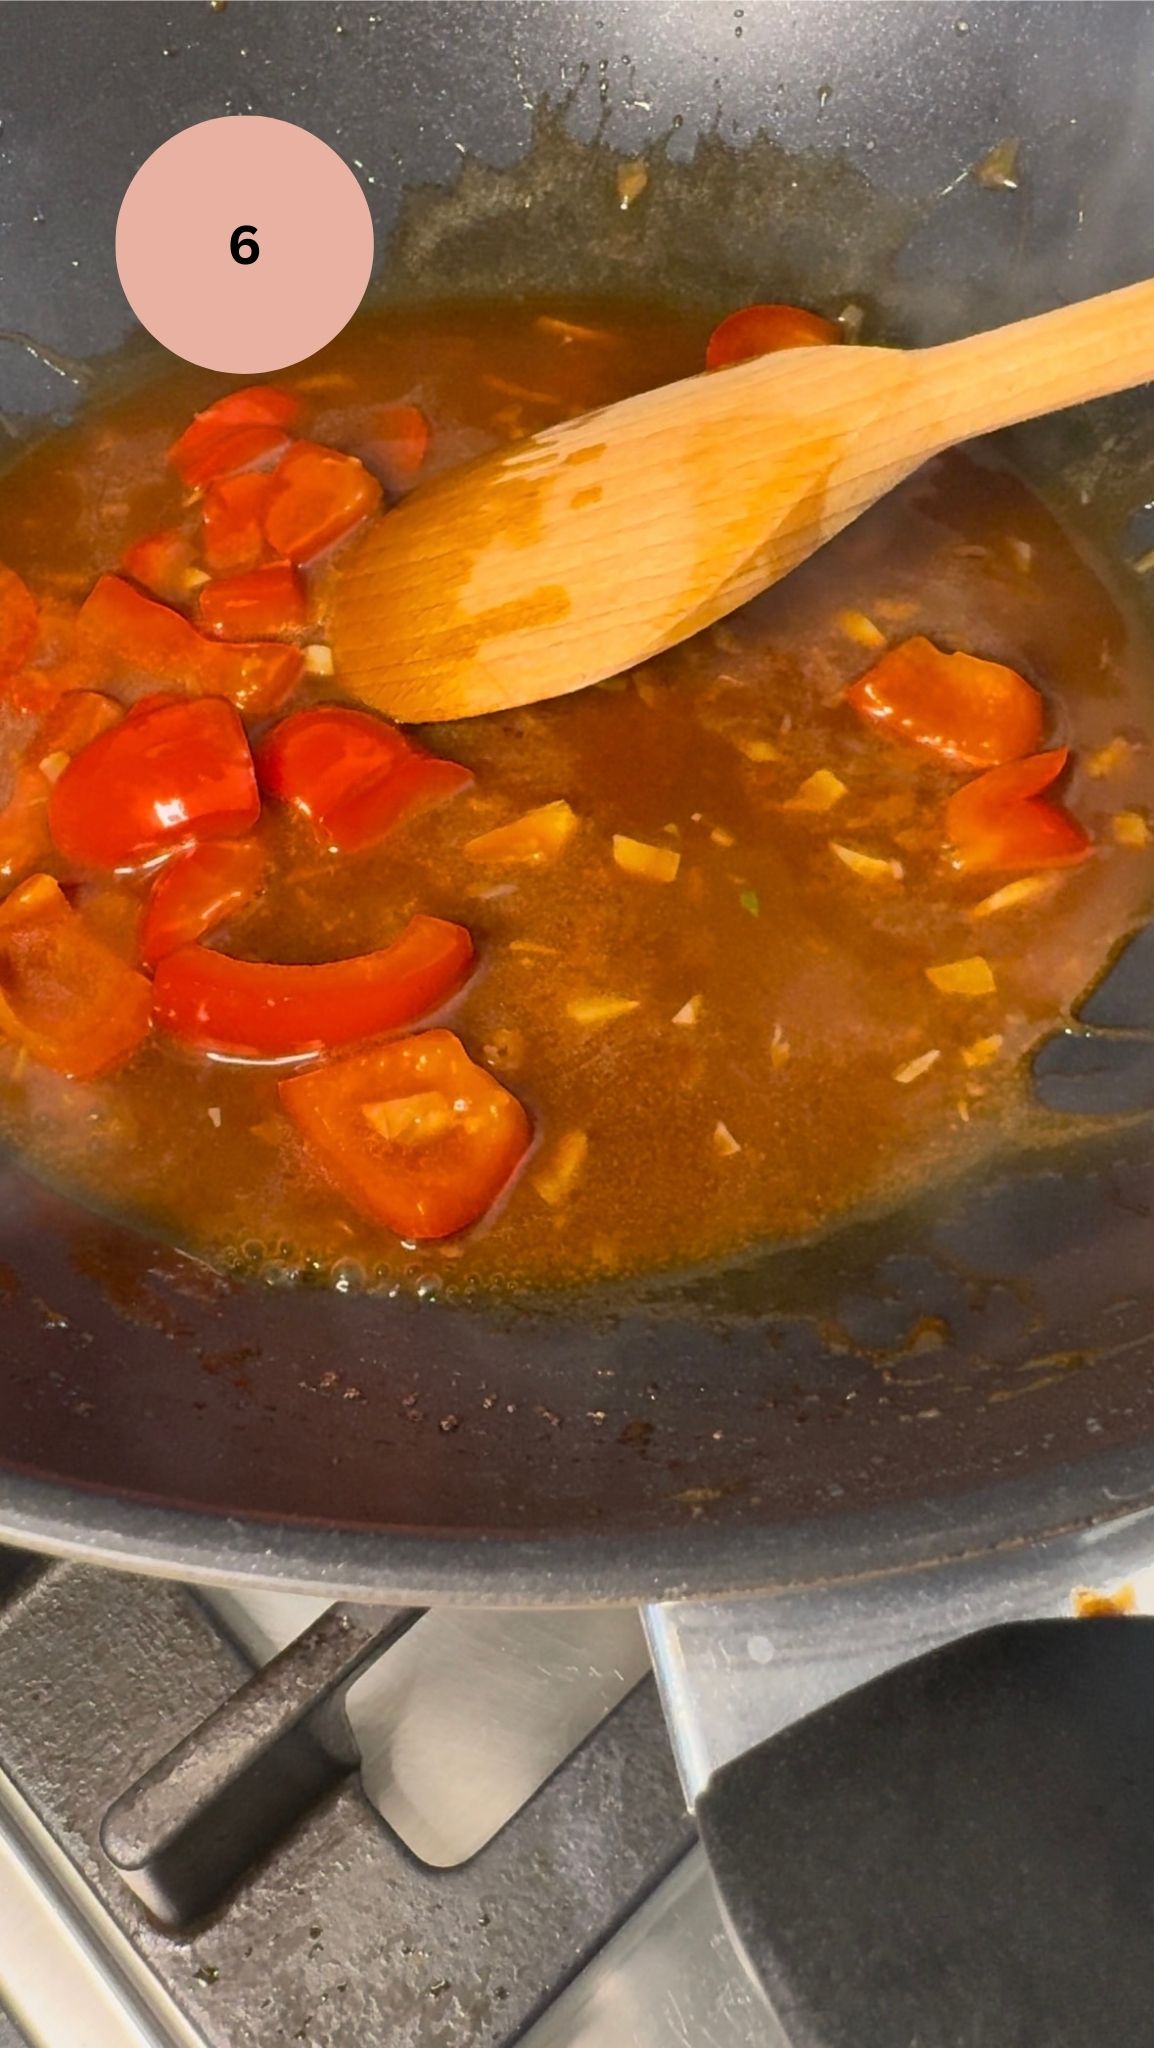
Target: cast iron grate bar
339 1936
187 1831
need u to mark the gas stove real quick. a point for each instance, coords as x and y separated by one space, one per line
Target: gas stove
475 1834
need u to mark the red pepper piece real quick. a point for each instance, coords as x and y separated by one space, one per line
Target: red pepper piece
64 994
761 330
1002 821
261 604
251 1010
417 1135
171 772
233 522
318 497
197 891
970 713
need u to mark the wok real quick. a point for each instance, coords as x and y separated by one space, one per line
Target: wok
971 1372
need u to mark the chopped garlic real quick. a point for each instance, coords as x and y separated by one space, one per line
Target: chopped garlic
857 627
970 977
318 659
214 1116
982 1050
554 1179
1114 755
778 1049
758 750
53 765
721 837
599 1009
411 1119
632 178
194 578
535 836
1008 898
724 1142
568 330
687 1014
650 863
1130 829
914 1069
819 792
870 866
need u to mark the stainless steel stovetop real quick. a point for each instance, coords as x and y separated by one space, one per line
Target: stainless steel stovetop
514 1861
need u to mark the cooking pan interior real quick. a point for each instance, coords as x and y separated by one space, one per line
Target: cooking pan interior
974 1369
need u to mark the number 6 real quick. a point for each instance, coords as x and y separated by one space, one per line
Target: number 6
242 248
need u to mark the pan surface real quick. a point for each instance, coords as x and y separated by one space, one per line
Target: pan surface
969 1373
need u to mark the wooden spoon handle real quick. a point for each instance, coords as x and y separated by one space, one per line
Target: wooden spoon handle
1041 364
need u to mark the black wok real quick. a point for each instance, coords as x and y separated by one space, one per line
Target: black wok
786 1419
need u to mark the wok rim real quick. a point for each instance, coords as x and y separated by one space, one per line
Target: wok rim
1106 1504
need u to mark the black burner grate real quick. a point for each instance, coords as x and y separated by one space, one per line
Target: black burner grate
339 1938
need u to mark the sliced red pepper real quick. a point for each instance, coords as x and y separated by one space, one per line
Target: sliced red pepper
163 562
1002 821
351 775
230 450
233 522
415 784
19 620
417 1135
78 717
64 994
25 841
761 330
969 712
261 604
197 891
150 639
397 446
318 497
171 772
241 428
251 1010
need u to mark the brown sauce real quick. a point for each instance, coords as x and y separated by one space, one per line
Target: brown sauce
797 1085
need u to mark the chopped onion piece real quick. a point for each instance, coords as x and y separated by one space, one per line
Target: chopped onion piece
554 1179
1130 829
971 977
651 863
687 1014
600 1009
721 837
536 836
982 1050
759 750
861 630
1008 898
870 866
819 792
914 1069
318 659
411 1119
724 1142
1108 759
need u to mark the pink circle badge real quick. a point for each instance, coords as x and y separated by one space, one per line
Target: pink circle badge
244 244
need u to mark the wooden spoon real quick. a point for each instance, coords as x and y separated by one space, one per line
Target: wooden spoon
560 560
